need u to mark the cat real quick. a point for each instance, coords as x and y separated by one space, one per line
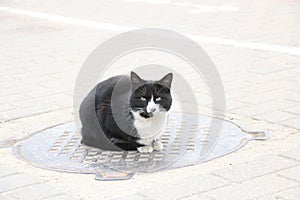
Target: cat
126 113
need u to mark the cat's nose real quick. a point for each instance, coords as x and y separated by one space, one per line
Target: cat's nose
150 110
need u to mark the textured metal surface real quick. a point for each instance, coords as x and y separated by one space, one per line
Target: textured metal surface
59 148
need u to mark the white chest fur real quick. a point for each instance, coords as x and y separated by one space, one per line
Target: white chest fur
150 129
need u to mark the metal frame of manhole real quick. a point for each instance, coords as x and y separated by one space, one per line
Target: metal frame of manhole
59 148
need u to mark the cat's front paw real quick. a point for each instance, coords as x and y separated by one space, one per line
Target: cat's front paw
157 145
145 149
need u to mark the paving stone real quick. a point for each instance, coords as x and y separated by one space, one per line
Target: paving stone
235 85
258 167
46 101
295 110
271 69
293 97
35 192
198 197
257 98
293 154
7 171
253 188
12 98
26 112
292 173
4 197
62 197
7 107
231 105
294 123
290 194
133 197
263 108
268 197
276 116
16 181
184 187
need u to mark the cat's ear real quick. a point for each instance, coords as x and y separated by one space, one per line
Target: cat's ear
166 80
136 81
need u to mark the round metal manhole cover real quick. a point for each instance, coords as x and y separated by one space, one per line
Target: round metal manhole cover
59 148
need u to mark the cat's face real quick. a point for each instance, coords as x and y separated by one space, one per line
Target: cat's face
150 97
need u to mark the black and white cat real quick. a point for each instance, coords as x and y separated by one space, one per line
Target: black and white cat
126 112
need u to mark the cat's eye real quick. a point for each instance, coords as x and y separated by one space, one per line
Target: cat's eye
158 99
143 98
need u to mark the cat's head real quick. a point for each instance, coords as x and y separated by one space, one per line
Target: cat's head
150 97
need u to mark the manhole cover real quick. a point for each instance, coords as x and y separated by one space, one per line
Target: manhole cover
60 149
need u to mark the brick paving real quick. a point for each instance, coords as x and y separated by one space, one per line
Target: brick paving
254 45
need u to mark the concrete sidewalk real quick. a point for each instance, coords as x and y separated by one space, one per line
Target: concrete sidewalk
254 45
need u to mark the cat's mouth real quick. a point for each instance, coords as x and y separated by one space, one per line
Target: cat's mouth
146 114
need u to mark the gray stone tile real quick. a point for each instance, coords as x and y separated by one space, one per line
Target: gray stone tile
258 167
294 110
132 197
290 194
294 123
293 154
16 181
4 197
276 116
197 197
36 192
7 171
292 173
184 187
253 188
